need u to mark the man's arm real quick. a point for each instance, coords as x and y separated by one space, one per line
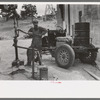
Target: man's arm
30 32
36 34
43 31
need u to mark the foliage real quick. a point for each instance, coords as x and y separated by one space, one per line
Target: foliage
30 10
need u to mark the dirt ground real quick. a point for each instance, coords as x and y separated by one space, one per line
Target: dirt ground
7 55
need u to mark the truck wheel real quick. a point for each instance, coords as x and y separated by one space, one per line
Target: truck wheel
64 56
89 57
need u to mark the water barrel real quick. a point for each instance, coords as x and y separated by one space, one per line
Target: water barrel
82 34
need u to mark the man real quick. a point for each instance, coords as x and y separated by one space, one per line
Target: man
36 33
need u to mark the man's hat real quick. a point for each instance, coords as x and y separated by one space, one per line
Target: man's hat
34 21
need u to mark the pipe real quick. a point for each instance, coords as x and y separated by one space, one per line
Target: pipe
69 18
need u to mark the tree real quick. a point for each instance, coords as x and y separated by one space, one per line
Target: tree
30 10
8 11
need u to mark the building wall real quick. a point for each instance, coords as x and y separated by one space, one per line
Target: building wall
59 18
74 15
74 9
90 13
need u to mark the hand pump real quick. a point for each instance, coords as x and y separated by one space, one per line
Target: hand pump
16 62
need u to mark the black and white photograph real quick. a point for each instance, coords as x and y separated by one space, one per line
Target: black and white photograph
49 42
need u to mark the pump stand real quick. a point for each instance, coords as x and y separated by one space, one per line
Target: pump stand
16 62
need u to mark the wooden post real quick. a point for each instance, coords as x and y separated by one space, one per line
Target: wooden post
69 19
33 62
16 49
15 39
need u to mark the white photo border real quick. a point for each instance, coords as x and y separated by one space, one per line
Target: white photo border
50 89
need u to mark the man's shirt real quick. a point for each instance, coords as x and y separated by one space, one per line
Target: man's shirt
37 35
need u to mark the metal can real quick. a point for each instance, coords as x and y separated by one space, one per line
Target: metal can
44 73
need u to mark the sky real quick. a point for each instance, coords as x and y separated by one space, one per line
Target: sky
40 8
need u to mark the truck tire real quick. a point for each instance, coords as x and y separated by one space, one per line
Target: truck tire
64 56
90 57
